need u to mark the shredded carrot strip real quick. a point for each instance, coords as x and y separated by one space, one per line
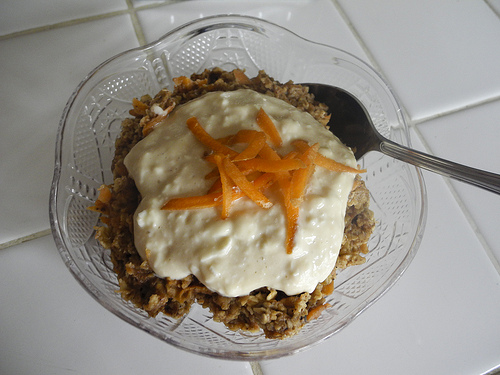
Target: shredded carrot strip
216 186
300 177
254 146
246 186
292 212
148 128
214 197
227 186
291 155
292 220
243 136
264 181
283 177
215 172
261 183
323 161
252 176
272 166
241 77
207 139
268 153
212 174
226 140
267 125
195 202
210 158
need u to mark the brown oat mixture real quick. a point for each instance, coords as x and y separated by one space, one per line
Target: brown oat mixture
277 314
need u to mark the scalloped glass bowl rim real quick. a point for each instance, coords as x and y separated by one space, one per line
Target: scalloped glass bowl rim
87 284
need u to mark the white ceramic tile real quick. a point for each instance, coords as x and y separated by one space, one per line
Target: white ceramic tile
328 28
50 325
495 5
438 56
139 3
27 14
39 73
441 317
471 137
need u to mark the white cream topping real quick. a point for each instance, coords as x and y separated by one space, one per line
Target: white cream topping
247 250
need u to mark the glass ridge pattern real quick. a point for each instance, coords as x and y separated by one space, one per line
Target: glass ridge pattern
91 123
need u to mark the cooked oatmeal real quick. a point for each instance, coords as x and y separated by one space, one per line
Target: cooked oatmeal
279 315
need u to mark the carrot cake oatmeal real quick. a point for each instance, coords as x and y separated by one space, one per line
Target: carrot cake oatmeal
232 193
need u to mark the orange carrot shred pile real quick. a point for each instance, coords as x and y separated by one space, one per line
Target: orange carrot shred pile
267 125
259 166
206 139
255 143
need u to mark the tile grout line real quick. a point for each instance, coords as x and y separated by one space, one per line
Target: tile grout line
62 24
358 38
132 12
378 68
139 32
472 223
29 237
468 216
456 110
366 50
130 9
494 371
488 3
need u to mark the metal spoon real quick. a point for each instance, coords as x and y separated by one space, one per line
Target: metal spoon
351 123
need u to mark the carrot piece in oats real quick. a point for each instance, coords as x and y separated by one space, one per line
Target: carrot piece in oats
241 77
315 312
139 108
150 125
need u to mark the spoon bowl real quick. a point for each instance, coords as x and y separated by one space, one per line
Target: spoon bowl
352 124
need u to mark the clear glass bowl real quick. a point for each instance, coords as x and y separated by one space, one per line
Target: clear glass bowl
85 146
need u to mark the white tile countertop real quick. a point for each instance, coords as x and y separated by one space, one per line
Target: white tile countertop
441 58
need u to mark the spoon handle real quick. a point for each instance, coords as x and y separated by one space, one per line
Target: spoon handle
486 180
